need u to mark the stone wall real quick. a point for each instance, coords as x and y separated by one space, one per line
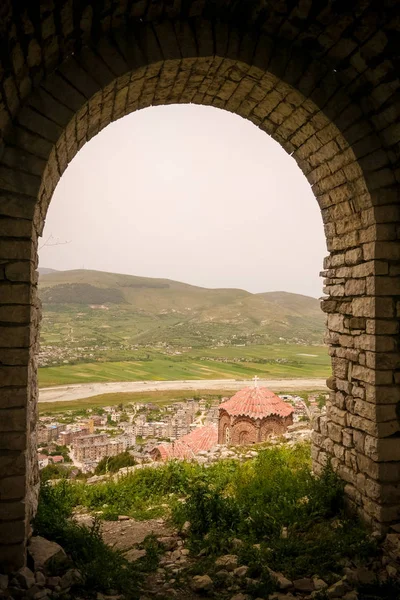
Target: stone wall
321 80
360 434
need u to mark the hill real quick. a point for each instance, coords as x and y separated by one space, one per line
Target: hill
84 307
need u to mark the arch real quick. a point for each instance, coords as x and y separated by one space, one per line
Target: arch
224 423
323 85
244 431
272 426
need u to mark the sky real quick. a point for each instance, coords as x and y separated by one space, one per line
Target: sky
189 193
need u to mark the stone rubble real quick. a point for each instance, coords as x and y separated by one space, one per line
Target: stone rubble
227 579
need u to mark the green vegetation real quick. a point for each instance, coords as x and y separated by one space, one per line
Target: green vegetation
55 471
274 361
287 519
103 569
94 308
113 464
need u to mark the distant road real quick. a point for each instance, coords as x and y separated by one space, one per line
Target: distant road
66 393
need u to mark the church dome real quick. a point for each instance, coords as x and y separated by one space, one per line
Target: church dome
256 403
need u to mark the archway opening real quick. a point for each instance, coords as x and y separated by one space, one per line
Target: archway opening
186 195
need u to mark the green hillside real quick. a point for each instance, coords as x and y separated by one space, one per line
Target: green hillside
89 308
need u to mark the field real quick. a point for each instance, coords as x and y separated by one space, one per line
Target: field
274 361
160 398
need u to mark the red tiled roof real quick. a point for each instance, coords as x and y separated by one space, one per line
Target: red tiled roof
57 458
202 438
256 403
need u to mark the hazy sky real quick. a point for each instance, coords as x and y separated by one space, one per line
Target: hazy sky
190 193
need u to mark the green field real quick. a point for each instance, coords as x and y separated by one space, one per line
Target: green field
275 361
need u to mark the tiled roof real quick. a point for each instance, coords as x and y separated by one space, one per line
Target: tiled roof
256 403
202 438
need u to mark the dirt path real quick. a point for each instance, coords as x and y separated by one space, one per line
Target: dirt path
78 391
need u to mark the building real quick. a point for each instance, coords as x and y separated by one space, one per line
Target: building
95 452
200 439
252 415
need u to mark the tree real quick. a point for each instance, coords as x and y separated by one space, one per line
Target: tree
112 464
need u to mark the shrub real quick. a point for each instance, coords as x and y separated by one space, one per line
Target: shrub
102 568
113 464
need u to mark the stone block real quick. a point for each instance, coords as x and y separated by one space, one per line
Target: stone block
13 440
15 336
382 326
382 449
13 532
12 556
337 415
12 419
13 376
382 394
347 438
12 488
340 367
334 432
353 256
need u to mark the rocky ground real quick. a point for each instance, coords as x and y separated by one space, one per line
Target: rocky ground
226 578
182 575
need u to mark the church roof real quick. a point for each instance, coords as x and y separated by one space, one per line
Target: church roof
202 438
256 403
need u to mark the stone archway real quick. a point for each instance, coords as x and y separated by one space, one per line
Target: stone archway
320 80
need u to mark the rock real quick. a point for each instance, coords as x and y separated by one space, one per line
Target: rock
228 562
391 571
134 554
185 528
175 555
41 594
304 585
25 578
123 518
241 571
236 543
240 597
284 533
70 578
42 551
338 589
201 583
319 584
40 579
283 582
169 542
53 582
350 596
280 596
3 582
392 545
224 575
364 576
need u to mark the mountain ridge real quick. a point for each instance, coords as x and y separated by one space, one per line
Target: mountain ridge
154 309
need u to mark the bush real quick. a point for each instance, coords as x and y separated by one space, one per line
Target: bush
113 464
103 569
255 501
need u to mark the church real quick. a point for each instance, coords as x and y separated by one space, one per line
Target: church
251 416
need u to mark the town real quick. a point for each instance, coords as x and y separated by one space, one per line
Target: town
82 438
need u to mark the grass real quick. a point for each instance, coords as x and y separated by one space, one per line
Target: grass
103 569
253 501
274 361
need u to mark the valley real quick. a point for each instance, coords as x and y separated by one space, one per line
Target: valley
108 327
